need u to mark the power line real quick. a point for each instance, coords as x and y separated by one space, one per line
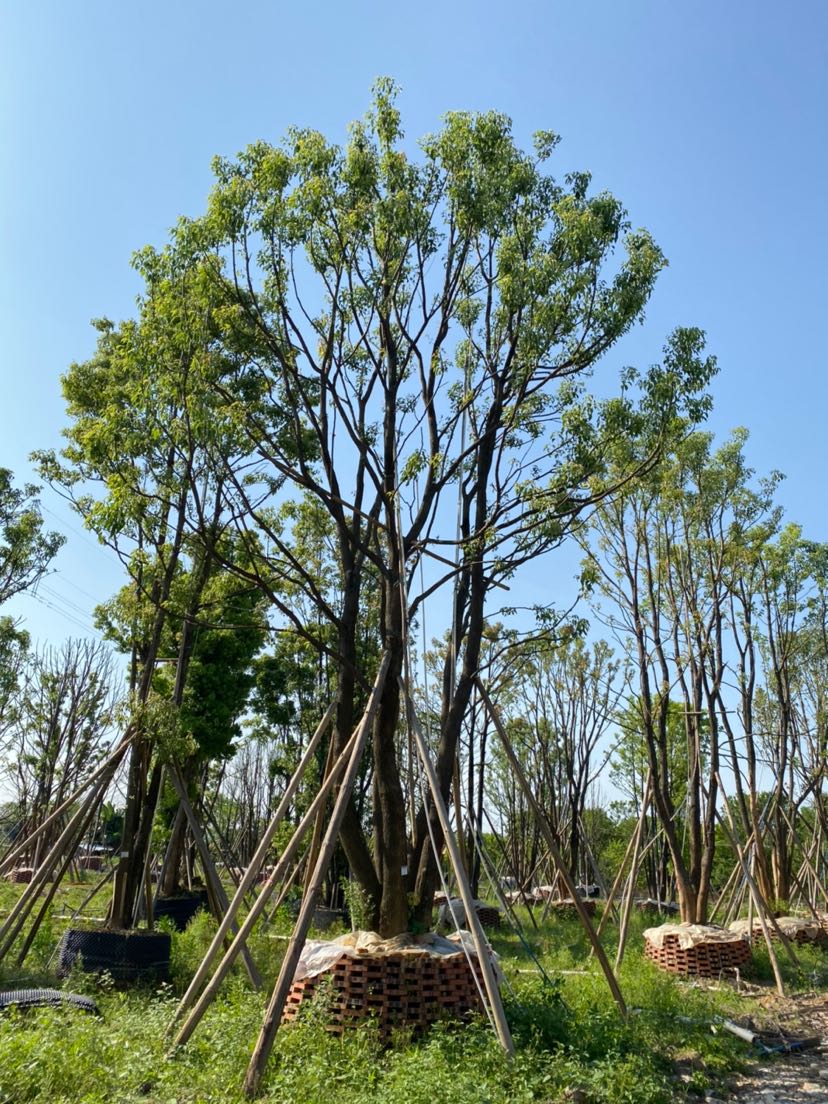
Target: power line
68 616
78 588
84 536
55 594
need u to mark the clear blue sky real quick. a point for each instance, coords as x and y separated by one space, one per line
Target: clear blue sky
707 119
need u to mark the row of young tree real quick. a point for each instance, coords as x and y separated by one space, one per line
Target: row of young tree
716 703
756 650
356 388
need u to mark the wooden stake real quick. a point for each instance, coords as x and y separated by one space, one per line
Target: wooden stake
261 901
472 919
548 835
214 882
273 1015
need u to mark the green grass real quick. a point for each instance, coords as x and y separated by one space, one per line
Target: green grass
568 1035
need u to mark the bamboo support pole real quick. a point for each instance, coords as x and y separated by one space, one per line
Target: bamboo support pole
549 837
596 873
273 1015
727 891
213 880
231 953
286 885
809 864
165 862
109 764
94 891
526 902
24 904
472 919
645 800
249 877
458 818
628 897
761 907
57 877
319 823
547 904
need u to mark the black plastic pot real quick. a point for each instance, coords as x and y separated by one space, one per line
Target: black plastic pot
126 955
180 909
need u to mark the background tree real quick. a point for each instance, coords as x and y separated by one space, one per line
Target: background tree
136 469
63 725
26 550
569 693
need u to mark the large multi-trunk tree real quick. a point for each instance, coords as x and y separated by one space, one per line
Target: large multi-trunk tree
400 342
409 335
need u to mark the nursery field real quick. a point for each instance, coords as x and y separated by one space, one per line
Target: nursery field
571 1042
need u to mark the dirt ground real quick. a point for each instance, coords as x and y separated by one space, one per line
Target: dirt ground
796 1078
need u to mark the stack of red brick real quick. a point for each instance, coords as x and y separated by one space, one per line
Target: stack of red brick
21 875
701 960
795 928
398 990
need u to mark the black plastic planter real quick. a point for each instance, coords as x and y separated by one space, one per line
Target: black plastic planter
126 955
180 909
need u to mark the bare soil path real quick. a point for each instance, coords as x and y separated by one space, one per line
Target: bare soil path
795 1078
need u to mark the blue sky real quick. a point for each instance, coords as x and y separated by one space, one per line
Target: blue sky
707 119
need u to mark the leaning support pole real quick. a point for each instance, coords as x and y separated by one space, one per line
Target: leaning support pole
213 880
645 800
273 1015
57 877
110 765
628 896
527 904
728 889
472 919
549 838
762 910
71 834
277 877
319 824
599 878
807 862
251 873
